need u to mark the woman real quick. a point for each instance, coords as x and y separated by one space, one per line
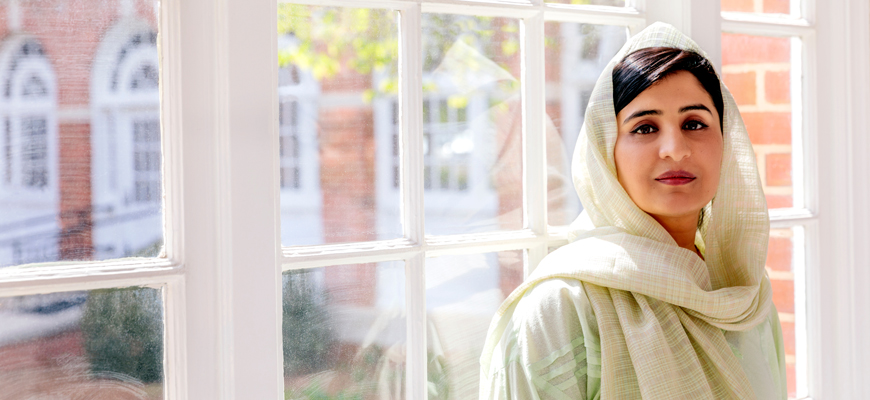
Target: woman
662 293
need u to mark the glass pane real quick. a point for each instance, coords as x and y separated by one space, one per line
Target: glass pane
462 295
786 268
575 55
336 86
101 344
761 75
787 7
80 153
344 332
472 124
615 3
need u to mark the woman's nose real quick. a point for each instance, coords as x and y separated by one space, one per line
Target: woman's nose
673 145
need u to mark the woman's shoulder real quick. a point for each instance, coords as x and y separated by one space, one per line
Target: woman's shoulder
551 345
554 305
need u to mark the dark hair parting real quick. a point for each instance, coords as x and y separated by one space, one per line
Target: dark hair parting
643 68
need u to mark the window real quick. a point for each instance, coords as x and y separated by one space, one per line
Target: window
29 184
224 266
81 181
125 137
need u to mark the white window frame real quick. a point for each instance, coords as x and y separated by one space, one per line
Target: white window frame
221 274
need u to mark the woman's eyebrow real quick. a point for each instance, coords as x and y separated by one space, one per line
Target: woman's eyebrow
643 113
695 107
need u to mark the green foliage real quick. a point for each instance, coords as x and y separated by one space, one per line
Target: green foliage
330 39
362 39
307 333
122 331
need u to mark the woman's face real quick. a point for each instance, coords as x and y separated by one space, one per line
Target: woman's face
669 148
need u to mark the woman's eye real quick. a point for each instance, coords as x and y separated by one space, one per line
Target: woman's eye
694 125
644 129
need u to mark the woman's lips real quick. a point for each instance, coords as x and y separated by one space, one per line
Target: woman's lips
676 178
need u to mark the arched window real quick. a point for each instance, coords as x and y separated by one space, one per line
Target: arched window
28 103
28 153
125 137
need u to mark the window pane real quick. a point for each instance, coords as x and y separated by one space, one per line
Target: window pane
344 332
462 295
761 75
615 3
97 344
80 152
575 55
336 87
787 7
786 268
472 124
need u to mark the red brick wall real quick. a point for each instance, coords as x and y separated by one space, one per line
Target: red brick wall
74 145
347 182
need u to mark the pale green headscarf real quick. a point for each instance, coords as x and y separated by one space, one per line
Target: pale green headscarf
660 309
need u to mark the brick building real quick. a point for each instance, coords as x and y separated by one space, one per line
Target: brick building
79 162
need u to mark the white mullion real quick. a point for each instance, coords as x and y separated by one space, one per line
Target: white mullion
170 129
52 284
478 9
534 140
72 273
411 123
808 128
174 334
798 133
858 47
363 257
383 4
813 288
449 247
593 15
412 208
799 269
251 198
294 253
738 23
842 236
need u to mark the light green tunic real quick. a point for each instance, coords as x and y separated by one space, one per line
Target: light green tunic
622 312
536 361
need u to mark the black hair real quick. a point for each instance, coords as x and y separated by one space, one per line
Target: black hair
643 68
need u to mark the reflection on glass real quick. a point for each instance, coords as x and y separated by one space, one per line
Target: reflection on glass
462 295
102 344
80 153
344 332
614 3
786 268
472 124
760 79
338 70
575 55
787 7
